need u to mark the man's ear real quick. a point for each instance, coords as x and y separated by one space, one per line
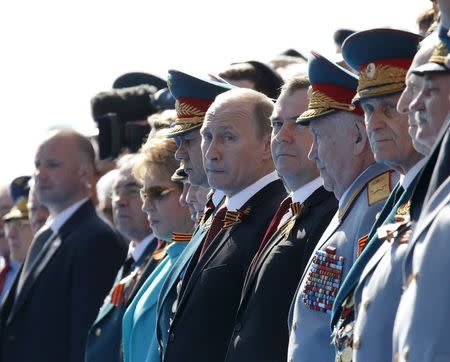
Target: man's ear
86 174
267 153
360 138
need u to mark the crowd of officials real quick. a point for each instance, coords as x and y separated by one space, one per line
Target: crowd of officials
292 211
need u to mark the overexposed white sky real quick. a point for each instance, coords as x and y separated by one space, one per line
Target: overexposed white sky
56 55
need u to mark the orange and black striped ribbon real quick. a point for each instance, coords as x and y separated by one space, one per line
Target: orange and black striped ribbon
181 237
235 217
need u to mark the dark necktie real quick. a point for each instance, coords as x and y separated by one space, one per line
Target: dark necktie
273 226
3 273
216 226
398 194
36 246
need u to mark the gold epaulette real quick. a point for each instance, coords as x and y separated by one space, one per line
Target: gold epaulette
379 188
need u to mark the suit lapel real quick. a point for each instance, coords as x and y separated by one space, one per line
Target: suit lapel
197 269
45 255
222 237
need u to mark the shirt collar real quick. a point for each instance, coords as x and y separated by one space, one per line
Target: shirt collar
136 250
217 197
406 179
305 191
238 200
56 223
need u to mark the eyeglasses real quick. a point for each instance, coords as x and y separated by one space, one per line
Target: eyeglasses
155 193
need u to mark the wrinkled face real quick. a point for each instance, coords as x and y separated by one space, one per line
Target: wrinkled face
387 130
160 198
19 235
37 213
231 149
58 175
432 106
290 142
127 207
5 206
413 85
196 199
189 151
332 151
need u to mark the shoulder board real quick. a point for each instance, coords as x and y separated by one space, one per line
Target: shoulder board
379 188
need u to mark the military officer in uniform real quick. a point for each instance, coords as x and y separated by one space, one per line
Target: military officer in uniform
342 153
193 95
260 328
382 57
422 314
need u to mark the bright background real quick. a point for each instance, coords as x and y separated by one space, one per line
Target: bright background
56 54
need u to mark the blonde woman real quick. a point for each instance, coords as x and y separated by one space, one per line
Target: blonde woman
160 196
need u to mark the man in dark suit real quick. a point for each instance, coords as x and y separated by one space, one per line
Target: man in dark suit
260 332
194 95
70 265
237 161
105 336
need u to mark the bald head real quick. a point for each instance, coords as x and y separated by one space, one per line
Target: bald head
64 173
237 121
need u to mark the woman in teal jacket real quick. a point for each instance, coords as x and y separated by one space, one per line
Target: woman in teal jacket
160 197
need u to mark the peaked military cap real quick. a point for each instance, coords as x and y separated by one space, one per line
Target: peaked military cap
382 58
193 97
19 190
436 63
332 89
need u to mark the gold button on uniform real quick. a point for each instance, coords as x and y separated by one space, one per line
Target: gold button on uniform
366 304
98 332
356 343
396 357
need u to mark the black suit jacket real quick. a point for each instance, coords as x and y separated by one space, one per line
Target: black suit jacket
104 340
260 330
203 323
50 318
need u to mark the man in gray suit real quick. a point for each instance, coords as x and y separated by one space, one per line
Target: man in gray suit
342 153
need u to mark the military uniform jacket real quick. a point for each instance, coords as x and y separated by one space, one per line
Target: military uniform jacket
351 280
378 292
260 332
422 324
204 320
59 300
310 313
105 336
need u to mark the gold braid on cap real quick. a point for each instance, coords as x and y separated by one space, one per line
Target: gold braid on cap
392 78
321 100
189 114
439 54
321 104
